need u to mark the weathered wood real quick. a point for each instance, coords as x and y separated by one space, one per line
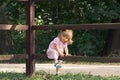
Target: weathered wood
80 58
78 26
13 27
13 56
30 38
62 27
40 56
67 58
92 59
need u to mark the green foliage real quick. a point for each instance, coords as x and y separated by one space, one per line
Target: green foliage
76 11
16 12
43 39
89 43
44 76
18 42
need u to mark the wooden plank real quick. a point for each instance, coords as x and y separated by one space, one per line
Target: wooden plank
30 38
92 59
13 27
78 26
40 56
13 56
80 58
67 58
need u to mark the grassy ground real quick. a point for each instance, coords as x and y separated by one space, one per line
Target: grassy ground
44 76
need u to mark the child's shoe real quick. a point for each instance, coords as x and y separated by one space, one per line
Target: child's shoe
58 74
57 65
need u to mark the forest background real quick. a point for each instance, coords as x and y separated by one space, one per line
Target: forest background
50 12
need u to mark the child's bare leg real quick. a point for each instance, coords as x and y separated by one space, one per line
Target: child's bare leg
60 61
58 66
57 71
56 60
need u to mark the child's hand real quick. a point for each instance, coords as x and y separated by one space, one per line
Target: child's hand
68 55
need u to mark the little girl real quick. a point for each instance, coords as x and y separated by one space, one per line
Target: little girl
59 46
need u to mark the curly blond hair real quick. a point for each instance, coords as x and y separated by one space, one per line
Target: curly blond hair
66 34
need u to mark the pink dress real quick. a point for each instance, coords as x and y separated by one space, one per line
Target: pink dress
51 51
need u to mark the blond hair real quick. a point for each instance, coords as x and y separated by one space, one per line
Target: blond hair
67 34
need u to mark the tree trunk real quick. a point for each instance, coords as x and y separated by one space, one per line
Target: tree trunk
4 35
112 47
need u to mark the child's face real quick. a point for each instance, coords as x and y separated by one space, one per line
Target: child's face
64 39
65 36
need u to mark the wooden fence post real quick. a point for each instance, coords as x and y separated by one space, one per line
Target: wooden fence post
30 38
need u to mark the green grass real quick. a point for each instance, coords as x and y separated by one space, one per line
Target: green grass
44 76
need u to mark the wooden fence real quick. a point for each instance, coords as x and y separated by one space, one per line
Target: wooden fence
30 28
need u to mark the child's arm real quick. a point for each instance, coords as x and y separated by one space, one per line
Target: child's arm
58 50
67 52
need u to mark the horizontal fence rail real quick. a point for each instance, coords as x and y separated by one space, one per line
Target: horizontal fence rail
14 56
80 58
40 56
66 58
62 27
92 59
78 26
13 27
